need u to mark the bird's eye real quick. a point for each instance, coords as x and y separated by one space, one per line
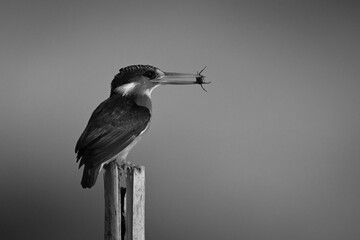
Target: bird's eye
150 74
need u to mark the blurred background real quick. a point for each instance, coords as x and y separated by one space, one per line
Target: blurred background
272 151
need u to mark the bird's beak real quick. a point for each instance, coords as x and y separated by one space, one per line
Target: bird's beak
175 78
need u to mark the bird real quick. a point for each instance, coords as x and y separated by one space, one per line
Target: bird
120 121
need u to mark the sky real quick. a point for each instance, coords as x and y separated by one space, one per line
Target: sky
271 151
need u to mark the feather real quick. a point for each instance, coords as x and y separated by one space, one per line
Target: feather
114 124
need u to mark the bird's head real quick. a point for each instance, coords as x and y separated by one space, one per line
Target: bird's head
142 79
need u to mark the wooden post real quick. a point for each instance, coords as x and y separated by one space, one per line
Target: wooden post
112 208
124 202
135 203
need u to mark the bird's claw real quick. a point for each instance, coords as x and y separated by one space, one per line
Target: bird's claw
129 166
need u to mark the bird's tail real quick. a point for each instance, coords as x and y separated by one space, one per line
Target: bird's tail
89 176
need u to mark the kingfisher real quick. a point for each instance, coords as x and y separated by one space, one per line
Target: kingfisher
120 121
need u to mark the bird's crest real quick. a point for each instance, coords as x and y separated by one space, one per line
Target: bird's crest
134 68
126 72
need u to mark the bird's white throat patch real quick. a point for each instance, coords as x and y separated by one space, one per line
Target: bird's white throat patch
128 88
125 89
149 91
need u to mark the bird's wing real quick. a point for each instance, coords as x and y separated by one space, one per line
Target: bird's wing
111 128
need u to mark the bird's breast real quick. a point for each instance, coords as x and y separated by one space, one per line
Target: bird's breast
124 153
143 100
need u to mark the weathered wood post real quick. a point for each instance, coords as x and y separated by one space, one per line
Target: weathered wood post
124 202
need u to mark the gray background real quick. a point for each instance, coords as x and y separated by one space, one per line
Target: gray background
270 152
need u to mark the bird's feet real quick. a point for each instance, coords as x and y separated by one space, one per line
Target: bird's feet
129 166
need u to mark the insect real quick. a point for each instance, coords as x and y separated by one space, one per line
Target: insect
200 80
